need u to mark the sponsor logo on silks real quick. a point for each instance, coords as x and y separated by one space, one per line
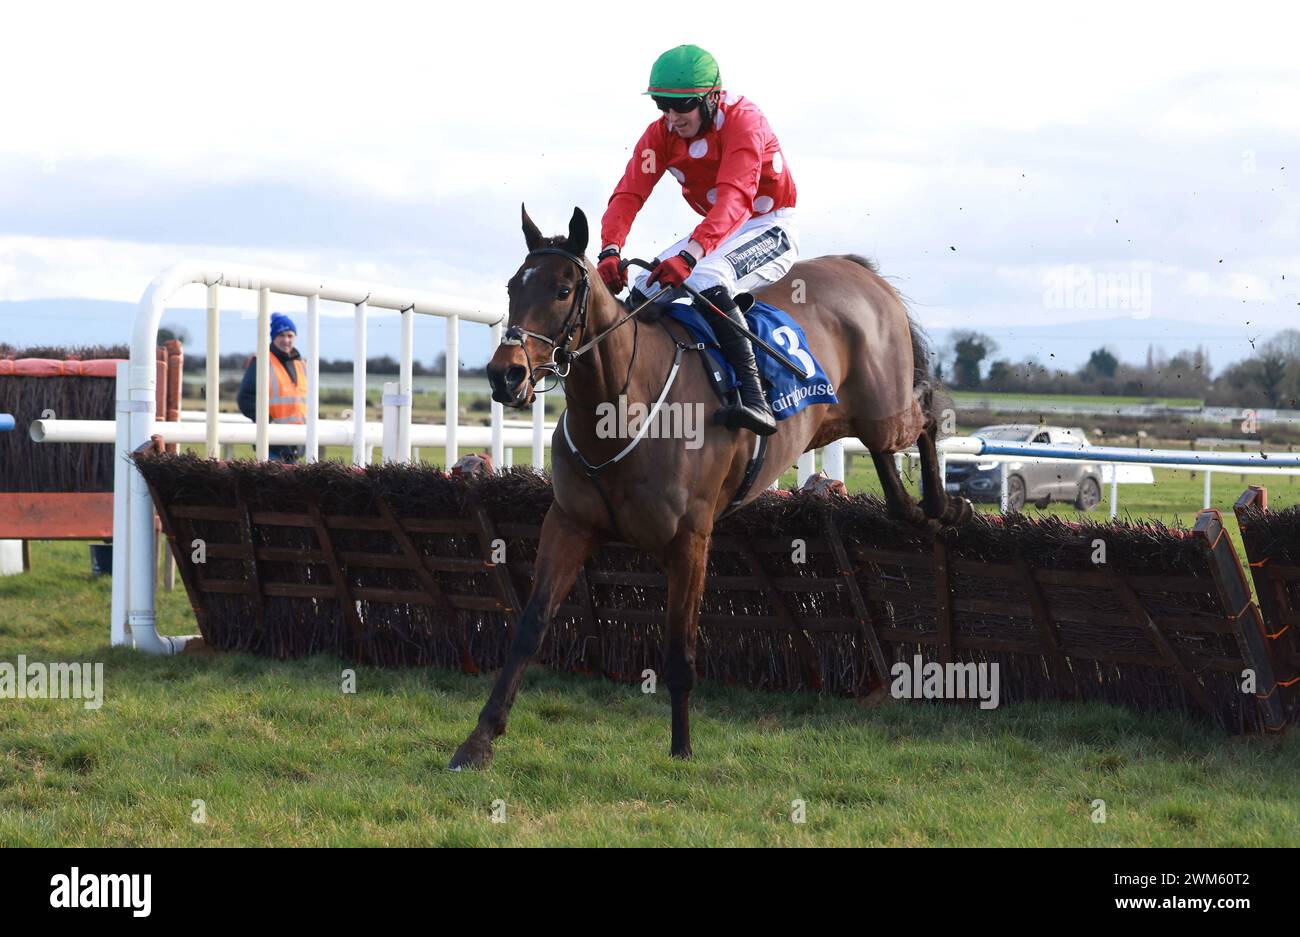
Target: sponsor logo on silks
762 249
79 680
103 891
919 680
791 399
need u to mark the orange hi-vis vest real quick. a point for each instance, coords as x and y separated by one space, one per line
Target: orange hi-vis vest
288 400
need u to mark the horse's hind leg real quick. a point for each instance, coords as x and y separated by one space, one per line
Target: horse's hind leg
563 548
935 501
899 502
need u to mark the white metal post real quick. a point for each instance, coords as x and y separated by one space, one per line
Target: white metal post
391 417
213 401
1114 491
359 386
452 384
263 372
313 379
404 389
539 432
499 458
833 460
121 482
1003 475
1209 473
807 468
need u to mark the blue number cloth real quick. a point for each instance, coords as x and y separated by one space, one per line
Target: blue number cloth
786 392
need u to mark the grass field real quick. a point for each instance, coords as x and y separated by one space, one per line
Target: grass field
279 755
969 397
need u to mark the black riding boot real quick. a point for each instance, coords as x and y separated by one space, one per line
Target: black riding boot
752 412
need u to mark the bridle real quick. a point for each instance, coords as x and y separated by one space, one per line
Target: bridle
561 358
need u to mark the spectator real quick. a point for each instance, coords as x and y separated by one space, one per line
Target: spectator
288 384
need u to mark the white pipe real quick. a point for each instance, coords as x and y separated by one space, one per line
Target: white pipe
1209 473
1114 491
452 387
1002 496
121 542
213 369
263 372
313 379
404 389
539 432
359 385
499 457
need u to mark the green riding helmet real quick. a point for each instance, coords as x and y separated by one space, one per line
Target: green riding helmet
684 72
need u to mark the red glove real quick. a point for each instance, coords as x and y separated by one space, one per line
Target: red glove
673 271
610 270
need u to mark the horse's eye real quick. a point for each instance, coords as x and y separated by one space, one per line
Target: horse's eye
564 292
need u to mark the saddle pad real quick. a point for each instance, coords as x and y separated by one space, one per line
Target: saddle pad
786 392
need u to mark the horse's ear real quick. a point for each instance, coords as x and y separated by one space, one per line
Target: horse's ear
578 233
532 236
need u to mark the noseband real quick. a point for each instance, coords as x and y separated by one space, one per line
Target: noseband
561 357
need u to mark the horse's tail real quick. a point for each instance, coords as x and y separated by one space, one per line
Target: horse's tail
929 391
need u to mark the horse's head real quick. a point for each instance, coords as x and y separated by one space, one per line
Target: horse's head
548 308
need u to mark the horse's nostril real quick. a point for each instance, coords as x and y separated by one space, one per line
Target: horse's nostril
515 374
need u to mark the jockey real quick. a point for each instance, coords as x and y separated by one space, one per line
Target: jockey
720 148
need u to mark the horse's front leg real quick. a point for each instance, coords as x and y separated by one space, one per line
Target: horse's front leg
563 548
684 562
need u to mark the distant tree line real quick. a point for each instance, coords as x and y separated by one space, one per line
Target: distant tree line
1268 378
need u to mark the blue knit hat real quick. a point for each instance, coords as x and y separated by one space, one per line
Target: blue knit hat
282 323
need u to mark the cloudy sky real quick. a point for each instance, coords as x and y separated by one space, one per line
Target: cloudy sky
1007 164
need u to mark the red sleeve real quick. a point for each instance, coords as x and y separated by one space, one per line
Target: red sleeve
738 177
648 162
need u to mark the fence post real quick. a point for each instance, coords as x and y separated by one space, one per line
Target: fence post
452 385
121 482
359 385
263 449
313 379
391 417
213 370
405 391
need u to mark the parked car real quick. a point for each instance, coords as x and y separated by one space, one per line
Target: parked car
1039 483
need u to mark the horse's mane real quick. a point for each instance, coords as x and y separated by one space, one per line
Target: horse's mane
859 259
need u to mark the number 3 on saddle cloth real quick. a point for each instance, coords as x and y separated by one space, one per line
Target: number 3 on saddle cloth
786 392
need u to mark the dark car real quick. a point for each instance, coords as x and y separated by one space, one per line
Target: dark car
1037 482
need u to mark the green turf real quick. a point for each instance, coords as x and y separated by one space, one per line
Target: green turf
279 755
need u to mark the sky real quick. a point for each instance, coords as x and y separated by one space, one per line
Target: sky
1007 164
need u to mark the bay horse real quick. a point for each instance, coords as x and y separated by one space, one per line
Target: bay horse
661 495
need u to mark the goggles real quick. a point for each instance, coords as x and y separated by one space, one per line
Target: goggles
677 105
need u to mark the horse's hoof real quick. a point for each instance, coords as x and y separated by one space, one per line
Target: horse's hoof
957 512
912 515
474 753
